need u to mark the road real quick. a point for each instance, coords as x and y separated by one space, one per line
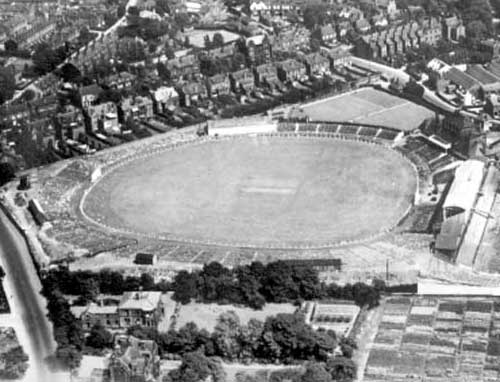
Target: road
29 313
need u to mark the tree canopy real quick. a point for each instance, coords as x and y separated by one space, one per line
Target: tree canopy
10 45
197 367
99 337
315 14
7 85
255 284
70 73
7 173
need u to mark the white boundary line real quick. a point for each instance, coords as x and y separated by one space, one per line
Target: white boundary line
269 246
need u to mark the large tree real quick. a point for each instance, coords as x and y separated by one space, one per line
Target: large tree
70 73
341 369
10 46
316 372
7 85
315 14
197 367
7 172
45 59
185 286
225 336
99 337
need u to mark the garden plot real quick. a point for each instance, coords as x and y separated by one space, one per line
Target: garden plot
437 340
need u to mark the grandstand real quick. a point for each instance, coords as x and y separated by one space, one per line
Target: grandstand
248 125
480 215
464 189
466 210
354 130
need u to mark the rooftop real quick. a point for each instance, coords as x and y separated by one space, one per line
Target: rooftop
145 301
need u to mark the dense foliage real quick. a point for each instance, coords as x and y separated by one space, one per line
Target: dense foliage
7 173
197 367
68 332
88 284
14 363
7 85
255 284
284 338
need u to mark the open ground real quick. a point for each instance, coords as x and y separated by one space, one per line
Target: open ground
258 192
205 315
371 106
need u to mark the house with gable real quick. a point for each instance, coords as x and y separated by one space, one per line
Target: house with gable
316 64
242 80
266 74
165 98
218 85
89 94
259 49
140 308
291 70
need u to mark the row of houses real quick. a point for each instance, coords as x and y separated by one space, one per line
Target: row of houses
264 75
34 33
399 39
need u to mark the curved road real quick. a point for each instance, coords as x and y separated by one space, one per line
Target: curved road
29 306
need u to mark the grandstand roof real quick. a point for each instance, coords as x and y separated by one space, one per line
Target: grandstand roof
494 67
461 79
481 74
451 232
465 186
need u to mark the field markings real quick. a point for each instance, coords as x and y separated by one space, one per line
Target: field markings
173 250
223 260
196 256
381 111
268 190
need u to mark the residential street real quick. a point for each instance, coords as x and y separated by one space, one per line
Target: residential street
28 312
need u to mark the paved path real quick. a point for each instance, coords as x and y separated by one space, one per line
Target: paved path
29 315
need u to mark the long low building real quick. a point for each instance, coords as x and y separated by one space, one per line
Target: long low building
459 204
480 215
237 126
466 211
464 189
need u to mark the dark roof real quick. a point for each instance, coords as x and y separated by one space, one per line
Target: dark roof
337 263
481 74
145 258
451 232
91 89
460 78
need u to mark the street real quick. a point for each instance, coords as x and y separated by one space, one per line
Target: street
28 306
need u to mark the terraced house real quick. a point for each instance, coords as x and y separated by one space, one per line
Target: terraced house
266 74
242 80
276 7
292 70
192 91
259 49
103 116
218 85
398 39
34 33
187 67
316 64
138 108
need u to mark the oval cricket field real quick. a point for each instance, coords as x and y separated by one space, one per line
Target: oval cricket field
265 191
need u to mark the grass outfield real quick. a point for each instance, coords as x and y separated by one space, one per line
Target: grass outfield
258 191
368 105
205 315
